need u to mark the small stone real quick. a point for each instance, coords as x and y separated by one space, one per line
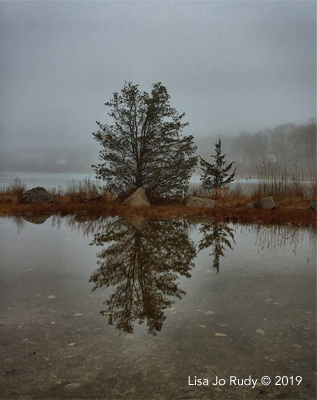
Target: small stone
71 344
128 335
220 334
77 315
72 386
193 201
260 331
209 312
51 296
202 326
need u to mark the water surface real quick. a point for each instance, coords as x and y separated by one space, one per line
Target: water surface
110 308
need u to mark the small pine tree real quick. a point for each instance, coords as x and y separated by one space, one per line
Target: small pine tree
216 175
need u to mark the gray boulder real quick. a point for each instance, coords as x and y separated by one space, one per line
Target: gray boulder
35 195
137 199
268 203
265 202
312 205
193 201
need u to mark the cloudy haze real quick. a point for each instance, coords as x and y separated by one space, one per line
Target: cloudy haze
230 66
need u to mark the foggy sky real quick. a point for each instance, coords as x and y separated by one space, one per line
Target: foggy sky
231 66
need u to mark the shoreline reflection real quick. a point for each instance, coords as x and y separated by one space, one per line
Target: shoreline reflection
141 260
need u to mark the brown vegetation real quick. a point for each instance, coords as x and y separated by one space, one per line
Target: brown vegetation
87 198
290 210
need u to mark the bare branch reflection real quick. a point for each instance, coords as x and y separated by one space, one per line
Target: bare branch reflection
278 236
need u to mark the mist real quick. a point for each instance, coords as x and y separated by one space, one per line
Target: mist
288 147
231 67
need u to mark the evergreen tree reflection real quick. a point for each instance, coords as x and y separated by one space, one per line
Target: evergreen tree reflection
218 236
143 261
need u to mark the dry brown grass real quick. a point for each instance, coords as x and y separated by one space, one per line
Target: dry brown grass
14 192
234 208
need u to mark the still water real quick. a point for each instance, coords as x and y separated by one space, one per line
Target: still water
111 308
61 181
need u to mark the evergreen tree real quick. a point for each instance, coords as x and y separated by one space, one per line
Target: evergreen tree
217 236
216 174
144 148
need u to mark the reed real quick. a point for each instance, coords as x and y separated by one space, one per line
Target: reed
280 183
87 190
16 189
88 198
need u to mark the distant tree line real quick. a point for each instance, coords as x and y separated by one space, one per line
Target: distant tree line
75 159
284 145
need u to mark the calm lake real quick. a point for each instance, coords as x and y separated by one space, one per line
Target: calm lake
113 308
64 179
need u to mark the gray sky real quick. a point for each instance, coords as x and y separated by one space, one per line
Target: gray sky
229 65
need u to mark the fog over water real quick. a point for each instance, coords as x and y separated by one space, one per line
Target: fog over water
230 66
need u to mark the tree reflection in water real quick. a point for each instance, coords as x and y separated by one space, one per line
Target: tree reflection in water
143 261
218 236
144 258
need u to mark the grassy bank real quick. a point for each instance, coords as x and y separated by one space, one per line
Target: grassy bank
295 211
88 198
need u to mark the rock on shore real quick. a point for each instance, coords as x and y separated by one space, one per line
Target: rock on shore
35 195
193 201
137 199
